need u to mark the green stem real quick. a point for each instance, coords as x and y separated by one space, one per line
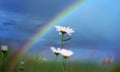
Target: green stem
62 41
65 65
55 63
3 62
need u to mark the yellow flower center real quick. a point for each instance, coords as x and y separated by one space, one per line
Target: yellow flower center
63 32
57 53
66 57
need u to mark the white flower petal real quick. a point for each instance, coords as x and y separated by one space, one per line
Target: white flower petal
66 53
22 62
61 29
4 47
55 50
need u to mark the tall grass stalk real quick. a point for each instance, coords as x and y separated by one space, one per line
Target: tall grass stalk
106 68
90 59
36 57
65 69
55 62
69 66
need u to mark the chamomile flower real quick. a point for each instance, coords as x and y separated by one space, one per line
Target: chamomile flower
56 51
44 59
66 53
22 62
64 30
4 48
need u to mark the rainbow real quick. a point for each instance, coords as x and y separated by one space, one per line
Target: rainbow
42 32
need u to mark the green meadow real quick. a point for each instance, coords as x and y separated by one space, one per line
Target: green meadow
32 65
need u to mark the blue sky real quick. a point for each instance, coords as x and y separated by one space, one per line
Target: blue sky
96 25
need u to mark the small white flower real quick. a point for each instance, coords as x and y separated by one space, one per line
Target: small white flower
66 53
22 62
41 59
44 59
56 51
4 47
64 30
